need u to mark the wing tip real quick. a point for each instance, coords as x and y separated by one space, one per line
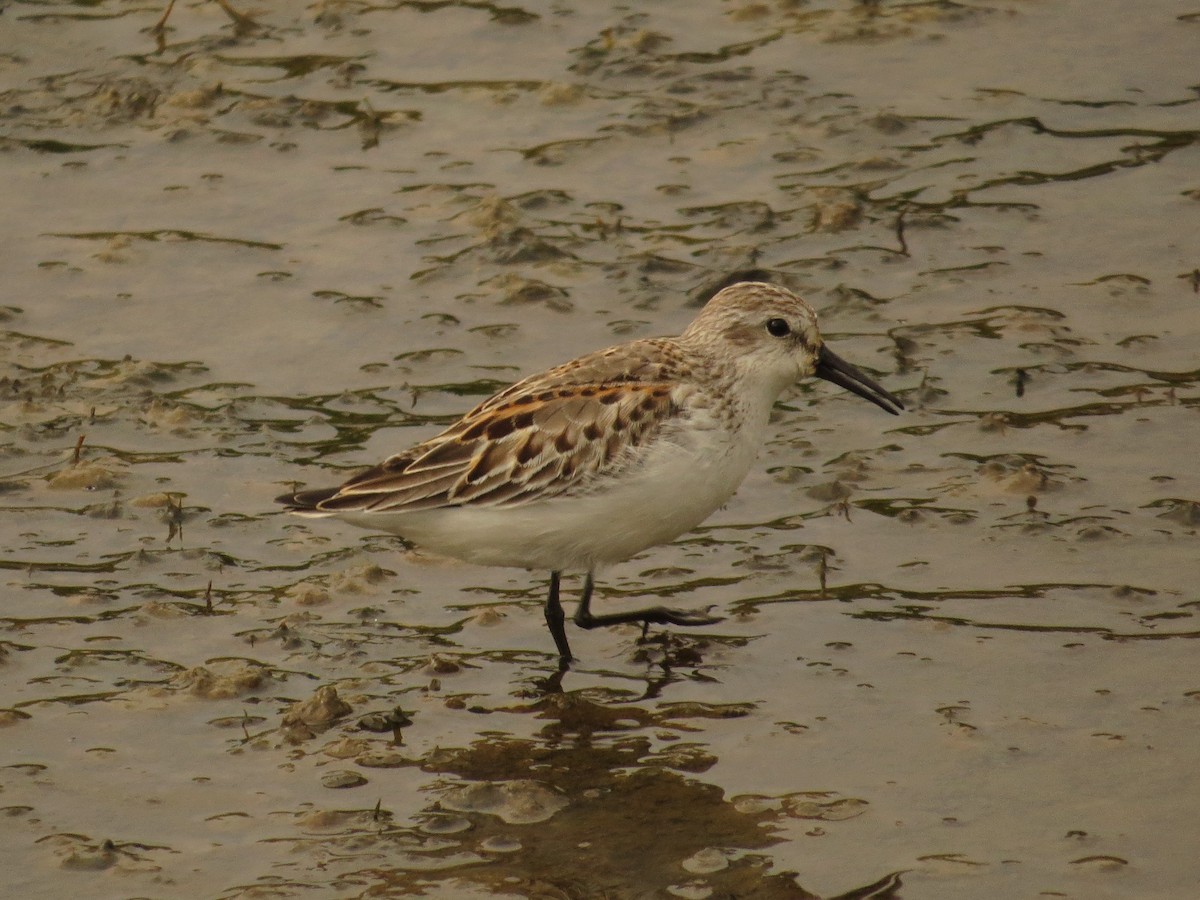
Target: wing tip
308 501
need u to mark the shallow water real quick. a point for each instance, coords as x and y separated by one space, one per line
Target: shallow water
240 254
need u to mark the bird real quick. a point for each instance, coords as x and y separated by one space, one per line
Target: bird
591 462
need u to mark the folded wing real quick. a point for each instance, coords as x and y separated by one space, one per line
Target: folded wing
556 433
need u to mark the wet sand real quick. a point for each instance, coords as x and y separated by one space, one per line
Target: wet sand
244 253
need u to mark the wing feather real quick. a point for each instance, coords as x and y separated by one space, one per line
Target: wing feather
515 452
559 432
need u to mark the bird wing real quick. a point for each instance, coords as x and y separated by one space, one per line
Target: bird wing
551 434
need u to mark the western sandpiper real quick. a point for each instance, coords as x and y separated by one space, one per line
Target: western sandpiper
593 461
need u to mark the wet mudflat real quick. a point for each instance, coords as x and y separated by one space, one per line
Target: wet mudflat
263 246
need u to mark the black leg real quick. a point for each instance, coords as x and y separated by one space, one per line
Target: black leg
555 618
657 615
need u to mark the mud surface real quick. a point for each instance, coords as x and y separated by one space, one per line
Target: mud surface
250 248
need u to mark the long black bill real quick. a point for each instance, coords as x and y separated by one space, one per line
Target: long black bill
833 368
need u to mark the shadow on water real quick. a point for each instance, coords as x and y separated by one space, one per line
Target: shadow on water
585 808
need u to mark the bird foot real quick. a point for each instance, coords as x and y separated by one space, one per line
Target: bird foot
685 618
655 615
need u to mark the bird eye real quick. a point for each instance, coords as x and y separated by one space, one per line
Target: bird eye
778 327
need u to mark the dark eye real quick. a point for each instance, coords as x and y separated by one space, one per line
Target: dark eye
778 327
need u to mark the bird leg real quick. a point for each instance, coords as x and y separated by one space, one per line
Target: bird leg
555 618
657 615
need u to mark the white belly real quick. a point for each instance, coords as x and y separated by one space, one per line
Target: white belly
676 489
